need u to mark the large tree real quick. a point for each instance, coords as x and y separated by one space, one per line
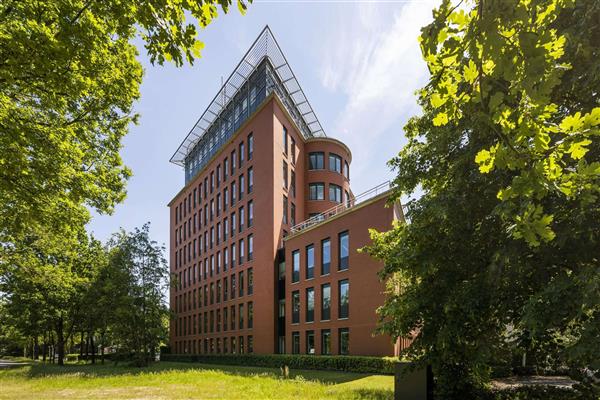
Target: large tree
68 80
501 255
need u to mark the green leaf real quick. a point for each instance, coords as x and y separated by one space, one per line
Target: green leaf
470 72
578 149
440 119
572 123
437 101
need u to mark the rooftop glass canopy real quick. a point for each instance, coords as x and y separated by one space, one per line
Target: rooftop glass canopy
263 70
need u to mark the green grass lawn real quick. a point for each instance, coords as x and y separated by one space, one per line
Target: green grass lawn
186 381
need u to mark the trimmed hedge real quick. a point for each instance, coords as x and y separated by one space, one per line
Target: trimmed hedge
379 365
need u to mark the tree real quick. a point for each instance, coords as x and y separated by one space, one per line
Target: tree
501 253
139 276
68 79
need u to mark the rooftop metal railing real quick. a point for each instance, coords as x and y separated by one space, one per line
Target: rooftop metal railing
338 209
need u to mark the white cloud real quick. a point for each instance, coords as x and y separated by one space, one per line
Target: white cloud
376 63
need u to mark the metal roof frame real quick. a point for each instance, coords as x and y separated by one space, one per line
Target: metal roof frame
265 46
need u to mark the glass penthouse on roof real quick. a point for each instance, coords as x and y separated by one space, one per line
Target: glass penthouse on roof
262 71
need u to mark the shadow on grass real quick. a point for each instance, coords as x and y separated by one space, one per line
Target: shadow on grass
109 369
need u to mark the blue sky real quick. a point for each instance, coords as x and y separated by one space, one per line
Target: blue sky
358 62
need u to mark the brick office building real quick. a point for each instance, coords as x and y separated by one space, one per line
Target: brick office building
265 231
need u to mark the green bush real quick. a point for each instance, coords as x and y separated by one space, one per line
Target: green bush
379 365
534 392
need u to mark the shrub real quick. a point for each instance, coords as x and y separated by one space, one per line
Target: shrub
533 392
379 365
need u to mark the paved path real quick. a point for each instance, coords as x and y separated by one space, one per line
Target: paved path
11 364
516 381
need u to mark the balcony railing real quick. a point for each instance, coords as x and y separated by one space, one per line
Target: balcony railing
340 208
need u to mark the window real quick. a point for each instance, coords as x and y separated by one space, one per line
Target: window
250 247
325 341
316 191
250 315
225 198
218 204
343 299
281 312
250 281
233 287
242 219
295 307
225 322
348 200
335 193
293 184
346 170
233 224
241 187
233 255
325 256
233 192
310 342
212 181
295 266
250 179
335 163
250 146
310 261
241 154
285 210
250 213
225 292
325 302
292 214
241 283
285 140
310 305
285 175
232 162
241 317
344 340
295 342
225 168
219 291
242 251
315 160
225 228
218 175
343 250
293 150
250 344
233 324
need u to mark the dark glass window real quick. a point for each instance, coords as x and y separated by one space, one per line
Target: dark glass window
285 140
325 302
295 307
310 305
325 341
285 210
250 179
335 163
250 146
295 265
315 160
295 342
343 299
325 256
310 261
310 342
316 191
285 175
343 250
344 340
335 193
346 170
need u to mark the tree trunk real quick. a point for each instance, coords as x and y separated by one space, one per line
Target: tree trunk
93 348
36 348
60 341
102 347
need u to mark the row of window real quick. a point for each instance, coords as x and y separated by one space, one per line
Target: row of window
316 191
316 160
212 293
215 320
216 263
217 205
228 345
309 342
309 259
214 178
343 306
